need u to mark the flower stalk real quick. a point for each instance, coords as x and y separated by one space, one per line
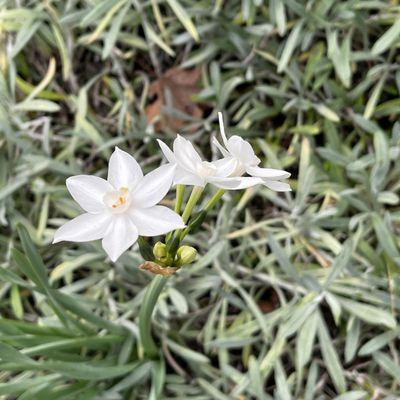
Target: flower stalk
211 203
180 190
153 291
193 199
179 235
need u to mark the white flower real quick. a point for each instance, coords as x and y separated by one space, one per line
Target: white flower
122 207
192 170
240 152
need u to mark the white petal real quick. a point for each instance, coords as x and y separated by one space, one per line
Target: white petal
243 150
270 173
235 144
225 183
153 187
123 170
235 183
249 181
88 191
185 154
222 128
120 235
277 186
156 220
225 166
183 177
168 153
224 152
84 228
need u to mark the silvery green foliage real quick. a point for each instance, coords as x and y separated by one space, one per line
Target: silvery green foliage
296 294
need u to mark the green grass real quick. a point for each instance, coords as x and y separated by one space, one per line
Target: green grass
295 295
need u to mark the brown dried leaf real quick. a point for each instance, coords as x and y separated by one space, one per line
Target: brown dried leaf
181 85
158 269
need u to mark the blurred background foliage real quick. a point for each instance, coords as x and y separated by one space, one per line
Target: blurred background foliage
296 295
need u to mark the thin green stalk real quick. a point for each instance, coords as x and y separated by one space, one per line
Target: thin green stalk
183 234
211 203
180 190
151 350
193 199
173 241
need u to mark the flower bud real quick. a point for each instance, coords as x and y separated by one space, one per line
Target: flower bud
186 255
160 251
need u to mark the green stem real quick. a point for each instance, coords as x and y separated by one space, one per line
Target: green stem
211 203
151 350
173 241
183 234
180 190
193 199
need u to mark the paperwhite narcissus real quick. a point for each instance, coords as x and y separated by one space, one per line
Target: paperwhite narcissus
122 207
192 170
240 152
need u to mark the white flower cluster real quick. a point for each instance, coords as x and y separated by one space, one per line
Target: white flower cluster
227 173
124 207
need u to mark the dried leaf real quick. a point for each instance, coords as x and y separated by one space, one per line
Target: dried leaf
158 269
176 86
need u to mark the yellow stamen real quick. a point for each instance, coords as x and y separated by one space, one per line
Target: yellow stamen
118 199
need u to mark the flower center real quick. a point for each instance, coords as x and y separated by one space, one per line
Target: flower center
205 168
117 200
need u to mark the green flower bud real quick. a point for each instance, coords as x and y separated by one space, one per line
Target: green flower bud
160 251
186 255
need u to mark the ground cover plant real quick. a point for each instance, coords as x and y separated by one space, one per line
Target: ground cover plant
293 295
